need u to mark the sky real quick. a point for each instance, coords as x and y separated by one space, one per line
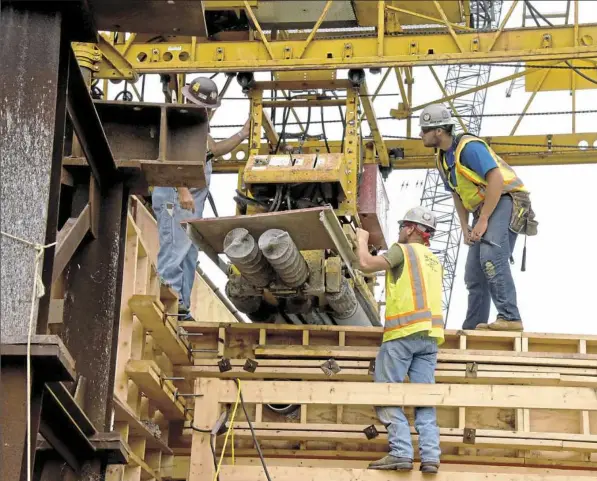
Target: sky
554 292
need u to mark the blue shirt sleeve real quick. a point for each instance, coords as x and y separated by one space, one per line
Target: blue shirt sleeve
476 157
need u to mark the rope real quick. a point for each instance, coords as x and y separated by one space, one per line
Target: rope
230 430
38 292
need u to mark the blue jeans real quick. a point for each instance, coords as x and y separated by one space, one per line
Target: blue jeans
487 272
415 355
177 257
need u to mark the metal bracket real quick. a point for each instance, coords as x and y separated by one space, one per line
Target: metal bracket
219 54
371 432
330 367
250 365
287 52
471 369
469 436
413 48
371 370
224 365
348 51
475 44
547 40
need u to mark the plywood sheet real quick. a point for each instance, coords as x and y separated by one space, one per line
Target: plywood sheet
303 225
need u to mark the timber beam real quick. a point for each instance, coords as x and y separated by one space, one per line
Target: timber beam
292 473
513 45
445 395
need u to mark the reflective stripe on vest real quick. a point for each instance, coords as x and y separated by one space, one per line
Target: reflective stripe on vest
470 186
408 306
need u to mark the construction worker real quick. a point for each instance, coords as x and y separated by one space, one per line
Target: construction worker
413 330
177 257
484 185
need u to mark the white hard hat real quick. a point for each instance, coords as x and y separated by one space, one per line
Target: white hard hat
435 115
422 216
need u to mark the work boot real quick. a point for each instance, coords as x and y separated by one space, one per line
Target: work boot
429 467
483 326
390 462
504 325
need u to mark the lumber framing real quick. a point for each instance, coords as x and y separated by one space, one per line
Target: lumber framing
381 394
284 473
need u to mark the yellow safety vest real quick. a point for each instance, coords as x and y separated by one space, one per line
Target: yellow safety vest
470 186
414 300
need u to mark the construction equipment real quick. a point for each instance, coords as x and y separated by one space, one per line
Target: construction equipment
304 275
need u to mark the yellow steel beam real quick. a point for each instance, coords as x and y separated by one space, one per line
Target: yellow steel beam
515 150
427 17
523 44
380 146
445 94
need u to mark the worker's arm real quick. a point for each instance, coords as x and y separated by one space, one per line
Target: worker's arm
369 263
478 158
495 185
225 146
463 216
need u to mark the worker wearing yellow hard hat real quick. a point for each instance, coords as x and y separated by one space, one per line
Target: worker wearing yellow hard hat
484 185
413 330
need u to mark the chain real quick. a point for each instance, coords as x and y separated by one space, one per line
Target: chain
528 114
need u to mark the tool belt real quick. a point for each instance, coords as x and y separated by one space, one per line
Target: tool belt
523 217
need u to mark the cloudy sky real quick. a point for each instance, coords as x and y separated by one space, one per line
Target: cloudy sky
555 291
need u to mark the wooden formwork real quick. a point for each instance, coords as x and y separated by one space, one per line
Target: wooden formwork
511 406
514 399
148 402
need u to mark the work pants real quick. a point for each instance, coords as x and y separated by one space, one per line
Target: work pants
177 256
415 355
487 272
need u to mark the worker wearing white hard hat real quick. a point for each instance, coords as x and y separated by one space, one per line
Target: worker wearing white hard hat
413 330
177 255
484 185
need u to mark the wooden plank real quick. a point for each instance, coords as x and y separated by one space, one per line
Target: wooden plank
456 395
283 473
446 440
296 458
146 375
150 311
304 226
69 238
362 375
357 352
207 411
123 413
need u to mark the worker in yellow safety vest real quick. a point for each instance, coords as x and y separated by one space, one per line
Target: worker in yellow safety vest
413 330
483 184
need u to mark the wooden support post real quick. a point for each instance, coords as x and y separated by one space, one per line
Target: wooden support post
207 411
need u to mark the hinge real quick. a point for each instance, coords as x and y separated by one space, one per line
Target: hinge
371 432
250 365
469 436
224 365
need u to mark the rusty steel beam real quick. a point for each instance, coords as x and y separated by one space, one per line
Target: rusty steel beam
88 127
